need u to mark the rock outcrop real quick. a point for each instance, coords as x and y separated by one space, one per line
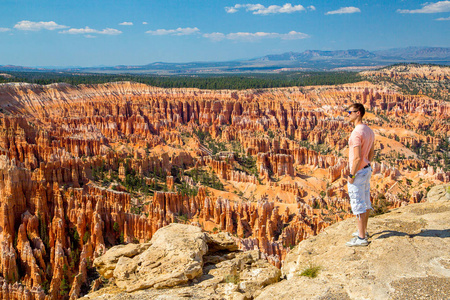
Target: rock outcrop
182 254
407 256
439 193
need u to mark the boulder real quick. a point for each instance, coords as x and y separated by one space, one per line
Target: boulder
182 262
106 263
173 257
438 193
221 241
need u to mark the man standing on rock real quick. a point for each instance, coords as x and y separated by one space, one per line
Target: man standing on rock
361 152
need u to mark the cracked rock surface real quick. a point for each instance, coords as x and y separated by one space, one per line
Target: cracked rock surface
183 262
408 258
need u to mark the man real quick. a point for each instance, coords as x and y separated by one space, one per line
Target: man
361 152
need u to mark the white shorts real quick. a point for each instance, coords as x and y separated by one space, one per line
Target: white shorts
359 191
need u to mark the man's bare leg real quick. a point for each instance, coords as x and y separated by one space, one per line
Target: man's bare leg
366 221
361 222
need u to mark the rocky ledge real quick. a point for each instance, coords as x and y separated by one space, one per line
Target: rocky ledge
183 262
408 258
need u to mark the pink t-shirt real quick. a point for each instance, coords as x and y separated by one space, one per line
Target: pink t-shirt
362 136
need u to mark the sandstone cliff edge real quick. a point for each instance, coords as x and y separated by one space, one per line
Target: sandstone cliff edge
407 258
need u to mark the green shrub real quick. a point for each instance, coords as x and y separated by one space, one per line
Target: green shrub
86 237
64 287
232 279
116 227
205 178
311 271
183 218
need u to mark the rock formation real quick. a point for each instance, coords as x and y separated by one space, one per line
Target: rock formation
179 254
86 168
407 258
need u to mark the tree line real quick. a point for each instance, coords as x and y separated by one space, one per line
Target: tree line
214 82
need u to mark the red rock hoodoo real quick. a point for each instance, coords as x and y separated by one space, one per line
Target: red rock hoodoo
84 168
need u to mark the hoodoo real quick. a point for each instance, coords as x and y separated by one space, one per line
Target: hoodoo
86 168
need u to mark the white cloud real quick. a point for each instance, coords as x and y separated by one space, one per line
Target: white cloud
144 23
87 30
428 8
294 35
126 23
4 29
259 9
216 36
312 7
249 36
230 10
110 31
438 19
36 26
344 10
178 31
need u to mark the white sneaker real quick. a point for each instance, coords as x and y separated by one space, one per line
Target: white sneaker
356 234
357 242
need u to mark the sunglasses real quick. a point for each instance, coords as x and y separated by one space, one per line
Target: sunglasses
351 111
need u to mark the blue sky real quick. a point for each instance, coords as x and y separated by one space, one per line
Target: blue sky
115 32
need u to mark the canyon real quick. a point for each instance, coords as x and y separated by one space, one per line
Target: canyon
321 267
84 168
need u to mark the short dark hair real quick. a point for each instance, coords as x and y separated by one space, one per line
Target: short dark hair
359 107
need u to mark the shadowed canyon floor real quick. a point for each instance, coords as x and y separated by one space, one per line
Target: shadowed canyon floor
85 168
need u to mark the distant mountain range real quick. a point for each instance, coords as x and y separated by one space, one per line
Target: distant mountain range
410 54
416 53
309 55
312 60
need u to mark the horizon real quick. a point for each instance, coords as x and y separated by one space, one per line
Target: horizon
212 61
85 34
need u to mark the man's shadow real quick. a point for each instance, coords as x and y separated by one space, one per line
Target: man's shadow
442 233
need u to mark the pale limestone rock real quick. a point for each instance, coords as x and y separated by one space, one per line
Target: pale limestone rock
175 257
244 272
438 193
252 280
166 269
221 241
407 245
125 268
106 263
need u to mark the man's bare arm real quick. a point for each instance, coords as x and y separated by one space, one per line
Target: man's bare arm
356 159
372 152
